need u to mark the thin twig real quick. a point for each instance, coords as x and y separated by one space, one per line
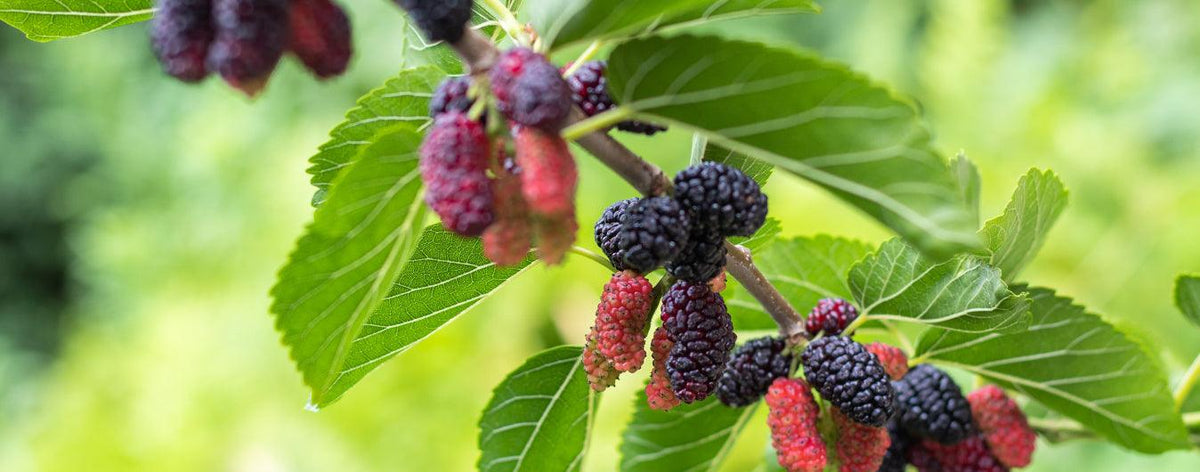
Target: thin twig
479 53
1188 382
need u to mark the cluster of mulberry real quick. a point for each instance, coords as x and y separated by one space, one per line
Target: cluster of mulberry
511 199
685 233
243 40
936 429
589 91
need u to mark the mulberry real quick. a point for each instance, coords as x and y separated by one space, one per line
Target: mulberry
621 320
320 36
451 95
181 34
555 236
931 406
860 448
699 325
658 392
722 198
970 455
831 316
792 417
548 172
441 20
1003 425
589 91
607 229
529 90
600 372
894 460
653 231
702 258
506 241
752 369
250 38
893 360
454 160
850 378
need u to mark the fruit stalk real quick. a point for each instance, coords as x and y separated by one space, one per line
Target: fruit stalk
479 54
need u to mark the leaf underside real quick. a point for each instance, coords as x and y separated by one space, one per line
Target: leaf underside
806 116
539 416
1076 364
1015 236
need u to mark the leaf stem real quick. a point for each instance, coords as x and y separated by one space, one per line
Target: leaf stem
1188 382
599 122
597 258
902 338
585 56
508 21
479 54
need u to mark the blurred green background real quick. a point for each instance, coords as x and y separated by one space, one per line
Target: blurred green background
142 222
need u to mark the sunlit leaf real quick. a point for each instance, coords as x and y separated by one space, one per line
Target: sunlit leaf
806 116
566 22
402 99
758 170
969 183
1076 364
446 276
691 438
963 294
539 416
1015 236
349 257
48 20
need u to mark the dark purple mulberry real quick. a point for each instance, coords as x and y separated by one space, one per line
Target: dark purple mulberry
451 95
589 91
894 459
529 90
932 406
653 231
250 38
721 197
702 258
454 162
441 20
752 369
699 325
181 35
831 316
850 378
320 36
608 227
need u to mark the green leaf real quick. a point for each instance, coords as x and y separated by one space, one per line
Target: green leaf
349 256
567 22
758 170
969 183
1015 236
806 116
1075 363
761 238
48 20
539 417
692 438
402 99
961 294
804 270
1187 297
446 276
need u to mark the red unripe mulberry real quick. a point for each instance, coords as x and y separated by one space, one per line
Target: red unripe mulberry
181 34
792 417
1004 426
507 241
600 372
621 320
548 172
969 455
894 362
860 448
250 38
659 394
454 162
320 36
